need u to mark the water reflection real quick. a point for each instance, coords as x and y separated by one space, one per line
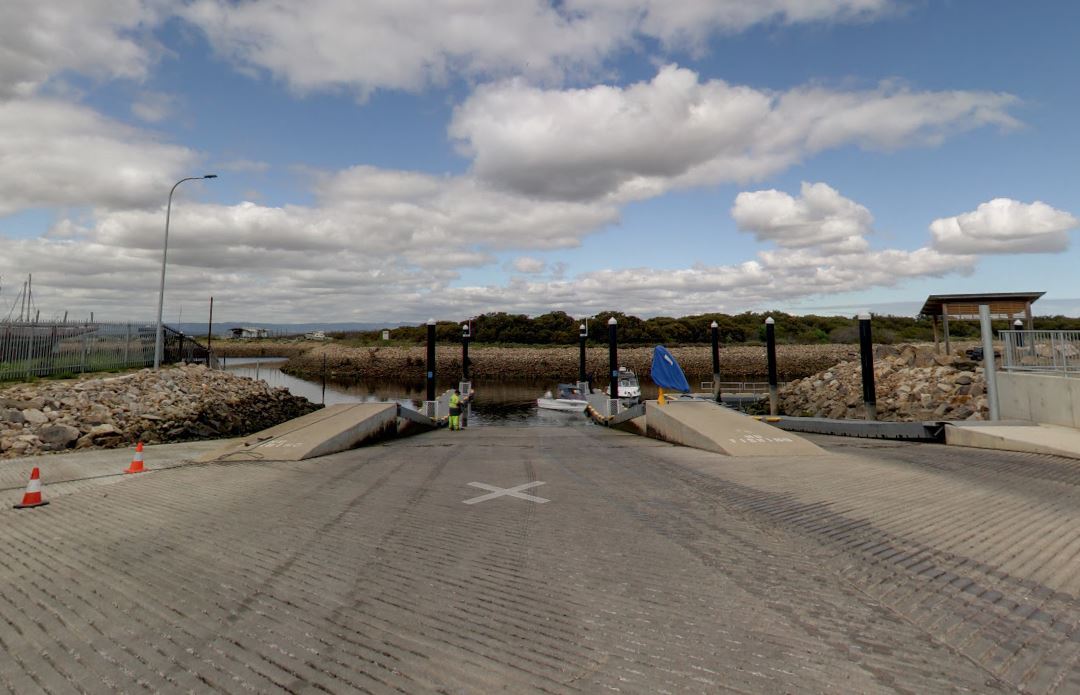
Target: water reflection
495 403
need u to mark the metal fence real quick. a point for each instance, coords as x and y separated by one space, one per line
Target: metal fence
33 349
751 387
1041 351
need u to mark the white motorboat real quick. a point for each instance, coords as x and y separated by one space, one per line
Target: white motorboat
628 384
567 398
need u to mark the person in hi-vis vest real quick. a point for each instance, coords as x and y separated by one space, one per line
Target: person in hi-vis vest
455 410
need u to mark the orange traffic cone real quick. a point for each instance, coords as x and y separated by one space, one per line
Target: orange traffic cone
136 463
32 497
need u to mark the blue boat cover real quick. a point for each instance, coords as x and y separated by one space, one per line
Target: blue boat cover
666 372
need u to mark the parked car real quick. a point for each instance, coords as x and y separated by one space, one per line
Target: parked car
976 354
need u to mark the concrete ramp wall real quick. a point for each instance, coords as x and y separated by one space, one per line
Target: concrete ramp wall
327 431
706 425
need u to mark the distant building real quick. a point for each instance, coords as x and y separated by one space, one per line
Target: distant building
315 335
246 332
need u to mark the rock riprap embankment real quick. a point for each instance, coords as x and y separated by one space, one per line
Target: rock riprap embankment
168 405
914 384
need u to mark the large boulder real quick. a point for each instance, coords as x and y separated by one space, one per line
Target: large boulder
60 436
34 416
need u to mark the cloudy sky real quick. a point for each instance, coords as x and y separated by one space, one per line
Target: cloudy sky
391 161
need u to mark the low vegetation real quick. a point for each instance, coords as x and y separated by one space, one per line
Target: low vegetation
559 328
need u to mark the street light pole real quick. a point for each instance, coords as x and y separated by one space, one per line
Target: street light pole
164 255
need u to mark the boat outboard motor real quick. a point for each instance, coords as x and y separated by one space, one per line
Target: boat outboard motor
666 372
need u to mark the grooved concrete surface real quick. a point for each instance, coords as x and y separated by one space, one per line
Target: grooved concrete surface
653 568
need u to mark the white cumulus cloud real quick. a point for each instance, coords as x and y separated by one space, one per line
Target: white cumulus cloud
389 245
58 153
39 38
820 216
675 130
1004 225
366 45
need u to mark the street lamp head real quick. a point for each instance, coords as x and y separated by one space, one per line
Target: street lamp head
210 176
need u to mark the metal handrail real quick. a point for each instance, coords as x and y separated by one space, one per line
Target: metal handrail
1041 351
757 387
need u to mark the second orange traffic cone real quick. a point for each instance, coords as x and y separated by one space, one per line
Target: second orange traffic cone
137 462
32 497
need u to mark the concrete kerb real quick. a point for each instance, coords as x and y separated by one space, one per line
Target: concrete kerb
63 473
1021 436
876 429
72 471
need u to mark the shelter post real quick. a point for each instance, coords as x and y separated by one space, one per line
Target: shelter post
945 327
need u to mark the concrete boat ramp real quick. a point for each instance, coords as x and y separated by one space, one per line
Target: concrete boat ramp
697 423
335 428
548 560
543 559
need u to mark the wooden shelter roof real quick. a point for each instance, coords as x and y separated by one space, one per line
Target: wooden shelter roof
1002 304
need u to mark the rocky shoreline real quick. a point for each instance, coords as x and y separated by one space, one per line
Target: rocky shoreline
191 402
181 403
737 363
913 384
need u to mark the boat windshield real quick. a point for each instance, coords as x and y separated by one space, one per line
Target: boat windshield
572 392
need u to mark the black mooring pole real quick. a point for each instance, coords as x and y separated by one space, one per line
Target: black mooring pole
583 335
613 358
465 335
866 356
770 351
431 363
716 361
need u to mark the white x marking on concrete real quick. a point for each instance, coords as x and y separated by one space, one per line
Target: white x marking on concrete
515 491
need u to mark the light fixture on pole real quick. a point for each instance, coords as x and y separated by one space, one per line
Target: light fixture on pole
164 256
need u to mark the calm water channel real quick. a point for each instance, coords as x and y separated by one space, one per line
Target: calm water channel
496 403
